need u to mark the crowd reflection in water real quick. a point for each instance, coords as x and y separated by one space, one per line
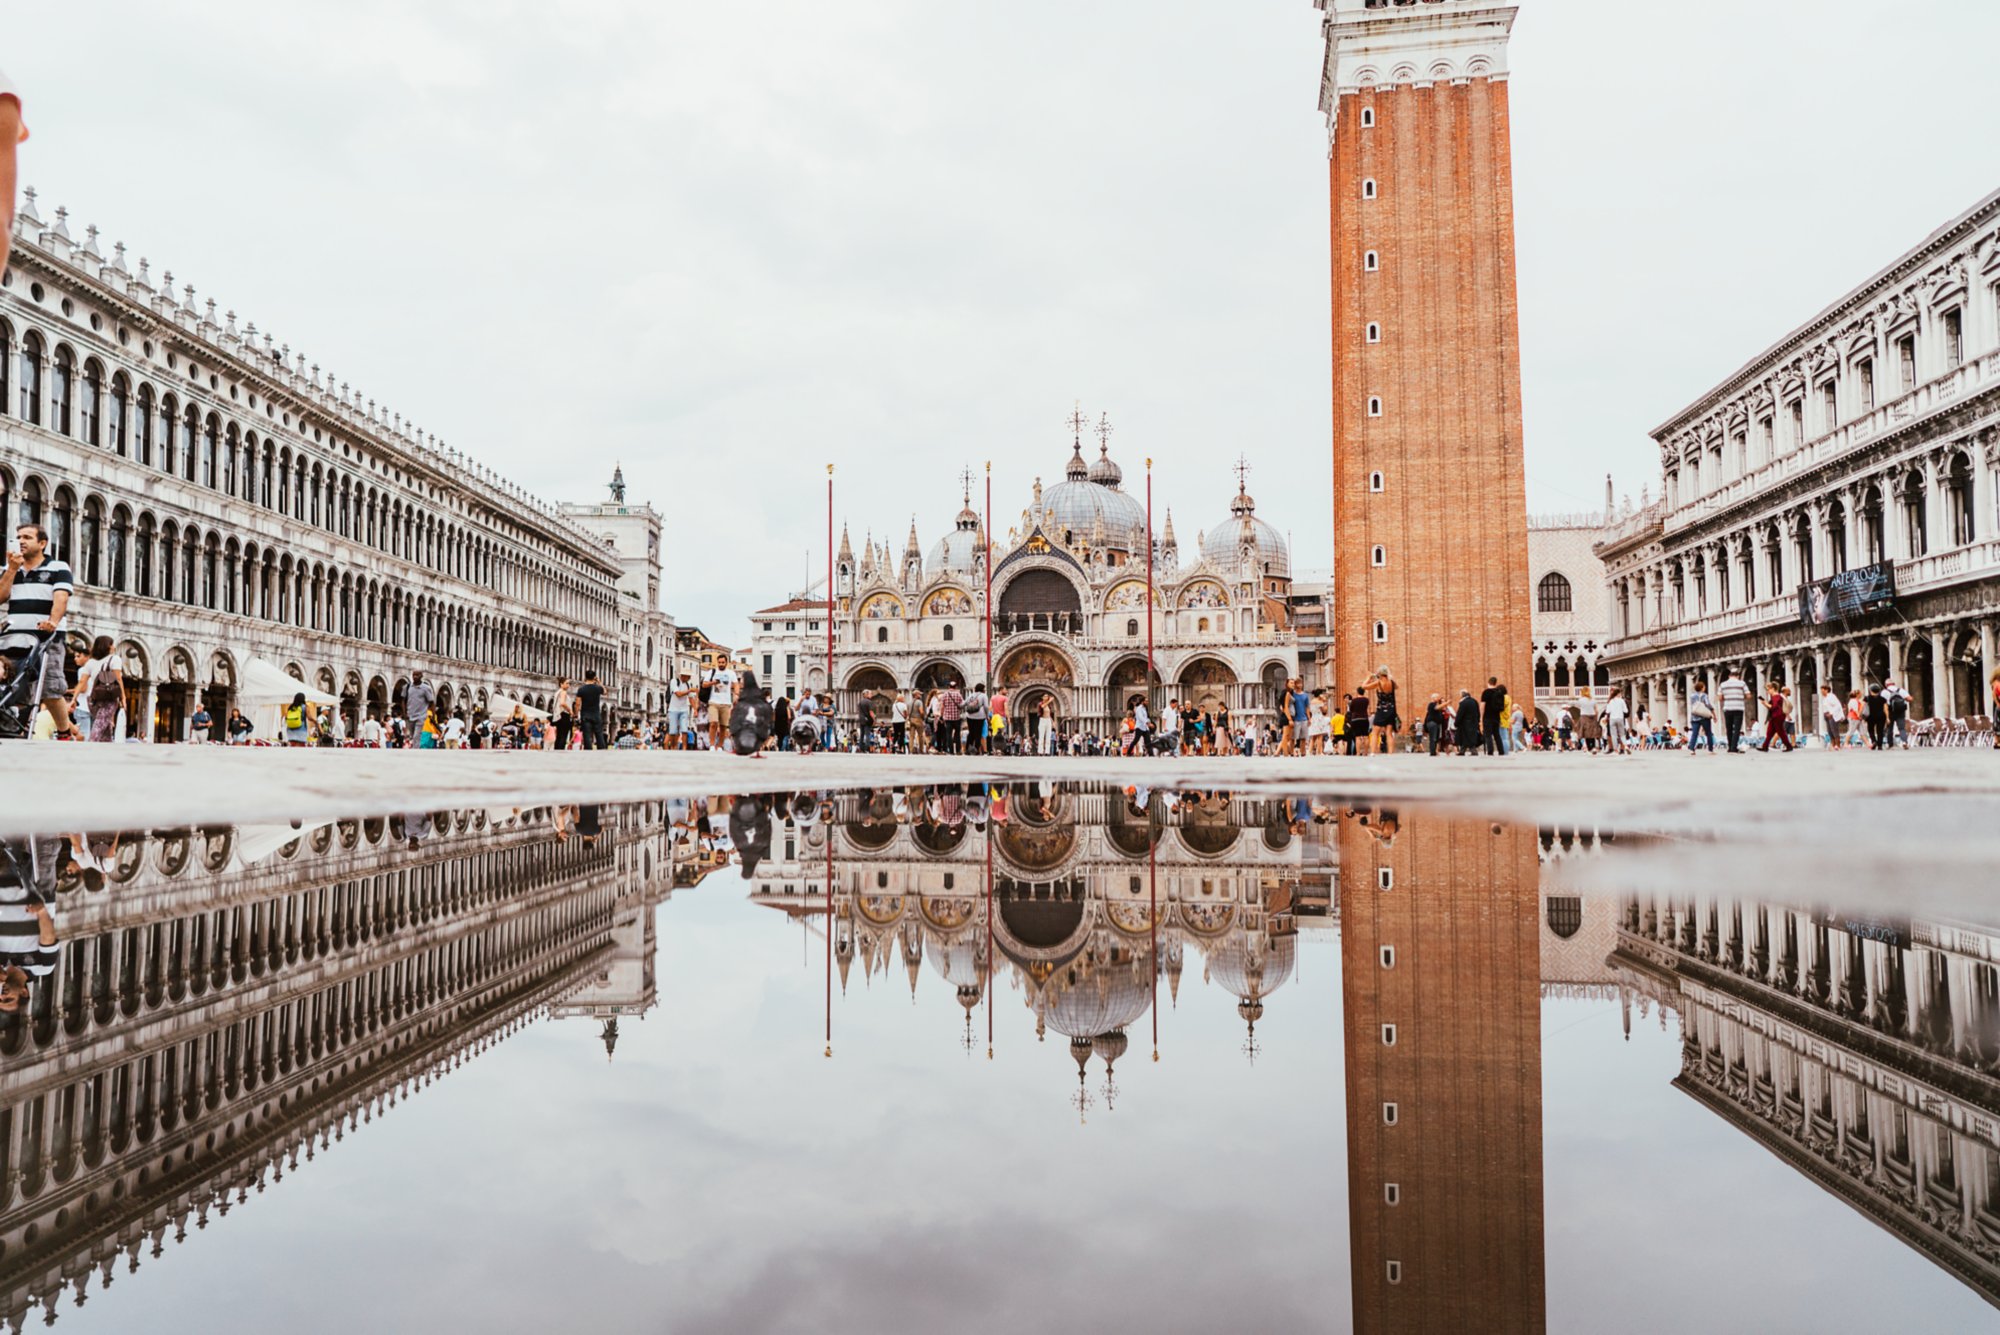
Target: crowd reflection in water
186 1014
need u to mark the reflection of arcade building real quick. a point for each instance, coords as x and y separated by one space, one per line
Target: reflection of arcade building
1864 1052
1073 905
1070 594
232 1002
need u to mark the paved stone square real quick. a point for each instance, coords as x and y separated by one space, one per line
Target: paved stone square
65 786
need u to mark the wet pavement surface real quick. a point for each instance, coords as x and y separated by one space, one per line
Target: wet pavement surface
979 1058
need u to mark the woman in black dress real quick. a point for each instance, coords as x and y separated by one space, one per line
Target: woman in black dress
1386 720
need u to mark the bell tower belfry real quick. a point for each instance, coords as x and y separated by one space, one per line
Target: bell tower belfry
1429 495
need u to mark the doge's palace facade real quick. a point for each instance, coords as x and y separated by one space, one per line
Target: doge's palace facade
1829 513
218 498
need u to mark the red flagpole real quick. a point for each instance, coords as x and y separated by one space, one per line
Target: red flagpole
826 828
1153 894
1151 703
829 598
989 934
989 574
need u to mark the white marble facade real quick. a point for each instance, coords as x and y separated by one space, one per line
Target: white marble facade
1070 606
219 497
1867 437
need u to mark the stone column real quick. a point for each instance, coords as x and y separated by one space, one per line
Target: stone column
1987 665
1941 701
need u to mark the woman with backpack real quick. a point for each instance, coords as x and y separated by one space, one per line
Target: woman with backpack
102 686
298 718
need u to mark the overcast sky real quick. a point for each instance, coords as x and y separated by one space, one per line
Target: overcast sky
727 243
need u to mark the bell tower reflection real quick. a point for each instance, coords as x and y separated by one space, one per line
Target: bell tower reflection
1441 994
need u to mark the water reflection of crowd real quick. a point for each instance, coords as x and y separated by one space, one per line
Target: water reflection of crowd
32 870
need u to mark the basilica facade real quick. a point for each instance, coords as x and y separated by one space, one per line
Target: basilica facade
1070 607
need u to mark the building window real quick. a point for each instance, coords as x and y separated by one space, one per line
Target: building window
812 625
1865 368
1381 632
1395 1272
1375 482
1906 362
1954 339
791 665
1767 441
881 635
767 664
1370 262
1553 594
31 378
1385 877
1368 188
1392 1194
1390 1114
1367 118
1388 1035
1388 957
1379 556
791 625
948 632
1798 415
1829 405
1374 406
1131 628
1374 332
767 625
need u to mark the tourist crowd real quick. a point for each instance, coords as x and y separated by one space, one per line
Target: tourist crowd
52 687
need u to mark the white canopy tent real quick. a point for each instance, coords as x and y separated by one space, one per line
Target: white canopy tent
500 708
263 689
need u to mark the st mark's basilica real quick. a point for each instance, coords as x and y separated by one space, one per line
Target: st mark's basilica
1069 589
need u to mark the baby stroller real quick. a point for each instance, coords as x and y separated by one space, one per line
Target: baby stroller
18 702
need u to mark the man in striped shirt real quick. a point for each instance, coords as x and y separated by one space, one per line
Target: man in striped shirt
1734 697
28 948
36 588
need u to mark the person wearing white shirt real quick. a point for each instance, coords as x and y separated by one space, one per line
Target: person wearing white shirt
1615 713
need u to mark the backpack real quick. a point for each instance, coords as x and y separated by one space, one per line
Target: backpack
108 687
295 717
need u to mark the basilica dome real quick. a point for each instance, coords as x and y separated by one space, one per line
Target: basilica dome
1076 504
1222 545
957 552
1252 971
1102 1000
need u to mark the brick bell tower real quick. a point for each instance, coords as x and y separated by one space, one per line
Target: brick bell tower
1430 526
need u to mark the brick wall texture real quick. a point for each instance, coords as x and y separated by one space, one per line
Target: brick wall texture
1452 515
1465 1073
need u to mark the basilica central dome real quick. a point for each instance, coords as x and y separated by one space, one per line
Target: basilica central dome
1087 495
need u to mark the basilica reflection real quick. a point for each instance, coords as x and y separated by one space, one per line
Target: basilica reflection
221 1004
1083 905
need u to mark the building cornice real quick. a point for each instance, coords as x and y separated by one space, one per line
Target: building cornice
1410 45
1823 325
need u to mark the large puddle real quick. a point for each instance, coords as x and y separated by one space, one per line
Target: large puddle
981 1060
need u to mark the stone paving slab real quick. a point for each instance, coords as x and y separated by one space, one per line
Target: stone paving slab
66 786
